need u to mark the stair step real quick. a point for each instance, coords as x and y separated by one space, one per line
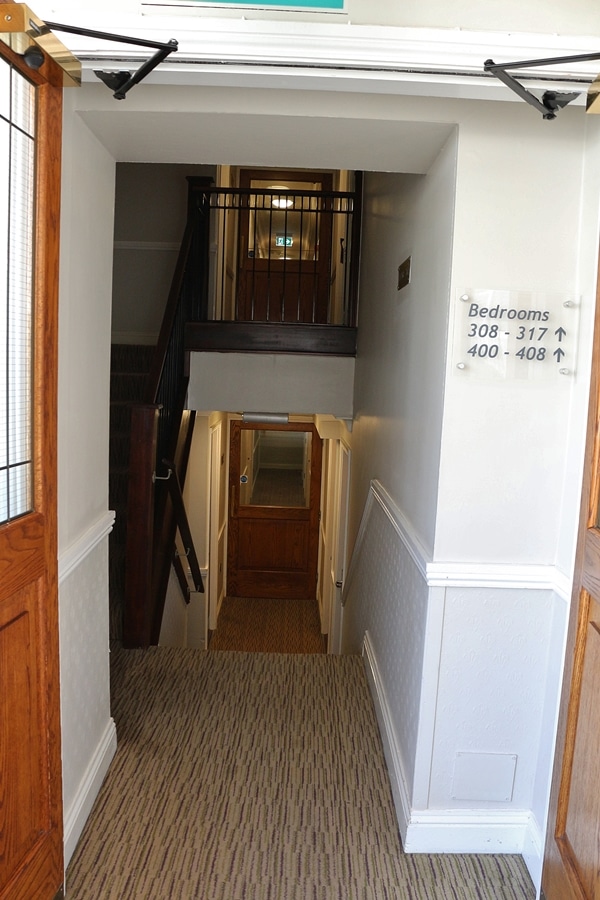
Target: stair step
119 450
128 386
131 357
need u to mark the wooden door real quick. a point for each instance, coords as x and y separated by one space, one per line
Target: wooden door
572 855
273 510
284 257
31 858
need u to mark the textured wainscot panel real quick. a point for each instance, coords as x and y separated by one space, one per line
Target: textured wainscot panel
491 690
386 599
88 731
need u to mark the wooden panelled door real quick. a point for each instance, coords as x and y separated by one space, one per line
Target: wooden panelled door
284 256
572 856
274 499
31 841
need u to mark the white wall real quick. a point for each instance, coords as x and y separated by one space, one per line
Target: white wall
509 15
480 573
507 490
150 219
88 734
270 382
580 17
402 338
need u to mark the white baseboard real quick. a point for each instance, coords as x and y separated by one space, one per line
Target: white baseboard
467 831
391 749
444 831
533 850
76 816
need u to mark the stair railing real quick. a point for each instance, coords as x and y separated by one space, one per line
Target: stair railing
183 526
162 429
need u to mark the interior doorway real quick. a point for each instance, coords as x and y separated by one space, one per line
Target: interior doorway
274 501
285 247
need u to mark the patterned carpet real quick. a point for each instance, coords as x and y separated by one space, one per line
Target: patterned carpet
257 777
268 626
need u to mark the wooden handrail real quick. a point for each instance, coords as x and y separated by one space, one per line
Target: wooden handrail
166 329
183 524
181 576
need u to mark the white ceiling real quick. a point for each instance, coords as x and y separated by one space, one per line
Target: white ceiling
295 141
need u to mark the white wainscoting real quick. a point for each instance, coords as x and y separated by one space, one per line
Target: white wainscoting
80 808
89 738
459 658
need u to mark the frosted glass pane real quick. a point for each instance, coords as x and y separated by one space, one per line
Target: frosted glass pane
4 185
23 104
20 292
4 89
19 490
17 188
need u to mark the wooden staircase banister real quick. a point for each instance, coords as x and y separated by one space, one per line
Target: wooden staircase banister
183 524
166 329
152 511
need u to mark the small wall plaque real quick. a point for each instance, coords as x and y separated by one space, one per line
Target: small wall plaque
404 273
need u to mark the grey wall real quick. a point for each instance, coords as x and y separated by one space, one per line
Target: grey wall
150 217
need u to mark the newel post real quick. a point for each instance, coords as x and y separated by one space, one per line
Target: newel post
140 526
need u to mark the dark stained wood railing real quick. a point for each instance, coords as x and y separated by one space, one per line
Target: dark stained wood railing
161 429
285 270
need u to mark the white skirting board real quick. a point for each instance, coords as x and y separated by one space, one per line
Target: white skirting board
76 816
444 831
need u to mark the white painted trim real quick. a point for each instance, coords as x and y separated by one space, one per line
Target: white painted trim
463 574
467 831
169 246
148 339
290 43
74 555
447 831
76 816
533 850
391 747
495 575
403 528
257 50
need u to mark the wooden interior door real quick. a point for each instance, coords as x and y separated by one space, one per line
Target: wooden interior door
572 855
276 282
273 546
31 840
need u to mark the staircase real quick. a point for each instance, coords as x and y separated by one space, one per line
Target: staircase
130 365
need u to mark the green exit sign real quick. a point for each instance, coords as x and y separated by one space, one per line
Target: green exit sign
284 240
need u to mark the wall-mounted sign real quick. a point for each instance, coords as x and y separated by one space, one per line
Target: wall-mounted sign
515 334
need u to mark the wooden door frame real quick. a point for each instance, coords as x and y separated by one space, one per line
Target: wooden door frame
43 865
555 879
340 548
235 428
